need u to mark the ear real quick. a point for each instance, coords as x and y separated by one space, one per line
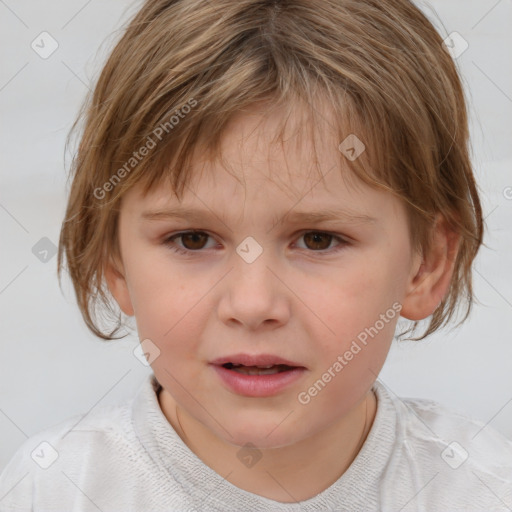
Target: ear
431 273
116 281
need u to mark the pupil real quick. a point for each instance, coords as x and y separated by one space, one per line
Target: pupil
194 237
315 237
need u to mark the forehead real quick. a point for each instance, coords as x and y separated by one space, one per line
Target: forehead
277 143
262 180
264 147
219 196
270 167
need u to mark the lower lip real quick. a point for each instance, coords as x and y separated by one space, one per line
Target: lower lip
258 385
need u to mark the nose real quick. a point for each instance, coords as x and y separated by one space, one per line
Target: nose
254 295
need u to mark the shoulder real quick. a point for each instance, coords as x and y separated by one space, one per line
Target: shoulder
465 433
58 453
447 458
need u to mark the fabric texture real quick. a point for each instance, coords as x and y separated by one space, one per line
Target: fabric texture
418 456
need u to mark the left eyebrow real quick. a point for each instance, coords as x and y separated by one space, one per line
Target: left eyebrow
297 217
293 217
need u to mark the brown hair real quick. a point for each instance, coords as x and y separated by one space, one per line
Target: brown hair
183 67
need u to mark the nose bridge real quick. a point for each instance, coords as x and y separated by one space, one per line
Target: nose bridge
251 268
252 293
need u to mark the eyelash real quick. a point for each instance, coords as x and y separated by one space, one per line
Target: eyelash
169 242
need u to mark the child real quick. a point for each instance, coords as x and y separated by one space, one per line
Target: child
265 343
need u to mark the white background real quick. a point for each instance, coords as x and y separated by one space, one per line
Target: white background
52 367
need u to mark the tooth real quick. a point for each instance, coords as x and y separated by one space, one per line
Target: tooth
257 371
249 366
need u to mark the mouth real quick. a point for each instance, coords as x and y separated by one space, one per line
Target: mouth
258 370
247 363
259 375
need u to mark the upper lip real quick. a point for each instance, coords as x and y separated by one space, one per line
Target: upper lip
254 360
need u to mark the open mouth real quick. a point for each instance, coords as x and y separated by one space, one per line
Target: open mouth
258 370
260 375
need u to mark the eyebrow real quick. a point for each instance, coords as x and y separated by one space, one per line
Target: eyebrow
293 217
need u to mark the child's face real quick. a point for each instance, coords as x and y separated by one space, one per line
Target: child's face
300 300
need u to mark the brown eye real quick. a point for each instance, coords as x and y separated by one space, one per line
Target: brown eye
317 241
188 242
194 240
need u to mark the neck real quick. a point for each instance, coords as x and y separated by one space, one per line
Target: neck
281 473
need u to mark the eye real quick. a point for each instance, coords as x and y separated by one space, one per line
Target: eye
194 241
319 241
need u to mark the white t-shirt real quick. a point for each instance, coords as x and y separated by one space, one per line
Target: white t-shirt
418 456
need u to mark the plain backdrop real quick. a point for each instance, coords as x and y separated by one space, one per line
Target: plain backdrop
52 367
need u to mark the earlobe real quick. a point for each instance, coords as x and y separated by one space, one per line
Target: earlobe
116 281
432 273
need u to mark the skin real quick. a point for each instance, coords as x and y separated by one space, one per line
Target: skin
291 301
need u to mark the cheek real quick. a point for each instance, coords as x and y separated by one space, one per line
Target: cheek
171 309
159 290
359 309
353 342
352 299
